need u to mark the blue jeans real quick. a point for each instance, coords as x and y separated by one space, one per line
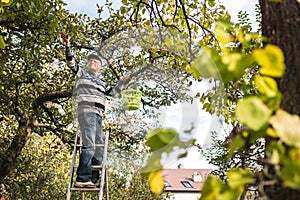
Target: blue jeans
91 134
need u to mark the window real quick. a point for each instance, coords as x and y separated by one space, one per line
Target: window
167 184
186 184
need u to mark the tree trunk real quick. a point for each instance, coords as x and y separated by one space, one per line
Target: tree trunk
281 25
12 153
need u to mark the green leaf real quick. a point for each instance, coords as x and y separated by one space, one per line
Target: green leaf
275 152
271 60
211 3
212 188
167 135
271 132
123 10
223 36
2 43
228 67
161 140
287 126
294 154
290 173
156 182
254 135
231 194
266 85
274 102
252 112
4 1
239 177
236 143
125 2
18 5
160 137
237 63
205 66
153 163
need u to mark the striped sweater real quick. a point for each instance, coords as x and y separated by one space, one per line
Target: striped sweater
90 91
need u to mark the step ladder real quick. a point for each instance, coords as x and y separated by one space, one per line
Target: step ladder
103 176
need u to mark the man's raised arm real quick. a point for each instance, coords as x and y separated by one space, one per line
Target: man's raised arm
69 56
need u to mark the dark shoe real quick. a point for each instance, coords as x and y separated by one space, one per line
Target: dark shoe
88 184
96 184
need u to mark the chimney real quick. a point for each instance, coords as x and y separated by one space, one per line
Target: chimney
196 177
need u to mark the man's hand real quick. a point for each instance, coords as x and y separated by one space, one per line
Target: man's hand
125 78
66 38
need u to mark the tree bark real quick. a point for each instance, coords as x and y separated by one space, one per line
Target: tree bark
281 25
12 153
26 124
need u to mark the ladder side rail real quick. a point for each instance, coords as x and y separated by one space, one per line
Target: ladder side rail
72 167
106 184
104 165
82 195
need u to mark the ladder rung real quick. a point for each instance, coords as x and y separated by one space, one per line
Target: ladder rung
97 145
85 189
94 167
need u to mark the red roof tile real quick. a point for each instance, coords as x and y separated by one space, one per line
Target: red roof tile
175 176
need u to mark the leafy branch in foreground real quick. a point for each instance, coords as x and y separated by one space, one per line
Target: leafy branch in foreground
259 113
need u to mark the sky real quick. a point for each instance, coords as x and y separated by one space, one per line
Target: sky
90 8
183 116
233 6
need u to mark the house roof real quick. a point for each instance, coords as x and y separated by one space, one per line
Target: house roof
181 180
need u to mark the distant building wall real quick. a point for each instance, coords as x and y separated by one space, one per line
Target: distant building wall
185 196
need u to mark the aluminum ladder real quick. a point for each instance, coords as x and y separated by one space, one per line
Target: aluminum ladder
103 175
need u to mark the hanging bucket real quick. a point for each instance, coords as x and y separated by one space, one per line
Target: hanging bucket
131 99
